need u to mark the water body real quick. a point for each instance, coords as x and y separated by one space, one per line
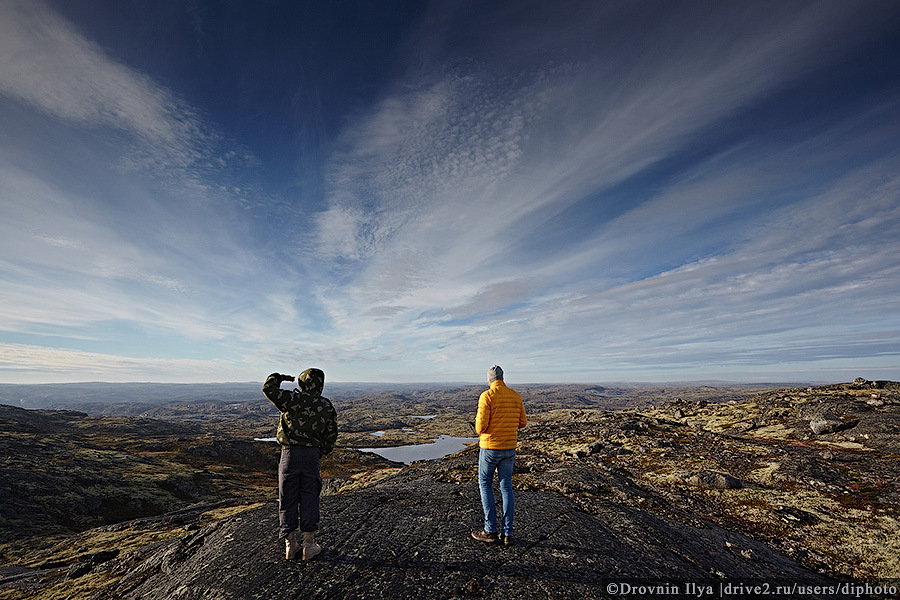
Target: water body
441 447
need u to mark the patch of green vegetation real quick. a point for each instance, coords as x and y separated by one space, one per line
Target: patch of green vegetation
864 499
768 529
464 475
754 502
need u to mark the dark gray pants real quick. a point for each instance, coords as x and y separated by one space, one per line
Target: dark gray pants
299 486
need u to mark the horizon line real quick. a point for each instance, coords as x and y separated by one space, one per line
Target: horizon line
437 382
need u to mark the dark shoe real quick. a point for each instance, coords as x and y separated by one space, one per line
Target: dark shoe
505 540
486 537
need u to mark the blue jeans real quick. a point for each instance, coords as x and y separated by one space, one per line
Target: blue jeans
502 462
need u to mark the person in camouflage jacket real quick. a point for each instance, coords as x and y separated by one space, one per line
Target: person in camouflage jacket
307 430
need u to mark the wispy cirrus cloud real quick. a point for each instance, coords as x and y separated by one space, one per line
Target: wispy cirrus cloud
132 231
422 155
823 264
49 65
91 366
44 62
465 172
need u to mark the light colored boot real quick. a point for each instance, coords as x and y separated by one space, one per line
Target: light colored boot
291 547
310 547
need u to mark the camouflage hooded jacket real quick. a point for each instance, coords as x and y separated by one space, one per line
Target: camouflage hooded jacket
307 419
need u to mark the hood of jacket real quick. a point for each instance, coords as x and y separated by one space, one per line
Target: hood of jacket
311 381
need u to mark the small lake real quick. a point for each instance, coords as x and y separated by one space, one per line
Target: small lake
441 447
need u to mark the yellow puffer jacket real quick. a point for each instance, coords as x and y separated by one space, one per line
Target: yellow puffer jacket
500 416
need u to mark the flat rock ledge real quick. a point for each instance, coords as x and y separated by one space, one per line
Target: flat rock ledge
408 537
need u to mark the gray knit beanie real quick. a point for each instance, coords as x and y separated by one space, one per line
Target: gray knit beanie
495 373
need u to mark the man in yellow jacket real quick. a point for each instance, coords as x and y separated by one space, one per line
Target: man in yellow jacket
500 416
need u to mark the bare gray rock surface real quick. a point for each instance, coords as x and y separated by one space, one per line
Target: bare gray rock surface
409 537
827 423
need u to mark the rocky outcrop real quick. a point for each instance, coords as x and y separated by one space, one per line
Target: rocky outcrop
682 492
409 537
713 480
828 423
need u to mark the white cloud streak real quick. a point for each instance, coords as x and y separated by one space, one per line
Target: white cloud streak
49 364
48 65
44 62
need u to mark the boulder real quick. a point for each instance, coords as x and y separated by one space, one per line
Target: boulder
827 423
712 480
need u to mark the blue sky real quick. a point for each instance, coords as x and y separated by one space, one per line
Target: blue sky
413 191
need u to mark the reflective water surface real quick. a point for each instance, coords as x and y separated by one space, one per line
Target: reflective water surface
441 447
